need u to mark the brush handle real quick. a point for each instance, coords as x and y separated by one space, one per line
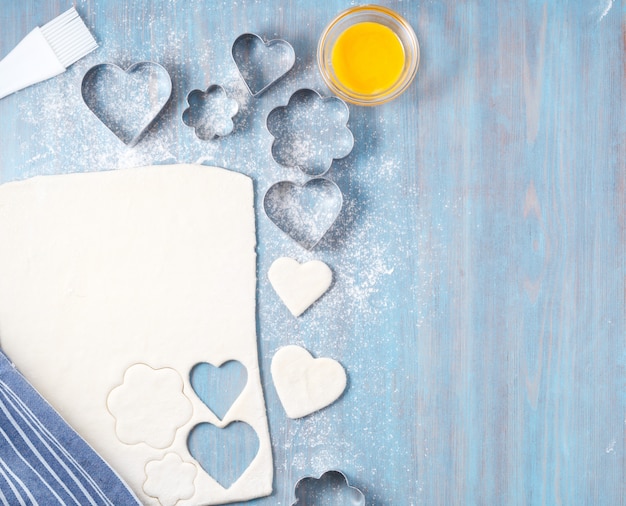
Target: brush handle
30 62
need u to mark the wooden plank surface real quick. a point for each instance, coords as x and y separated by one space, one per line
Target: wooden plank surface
479 261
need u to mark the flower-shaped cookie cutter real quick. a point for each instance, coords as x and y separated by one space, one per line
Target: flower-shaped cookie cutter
210 113
260 63
310 132
304 212
127 101
331 487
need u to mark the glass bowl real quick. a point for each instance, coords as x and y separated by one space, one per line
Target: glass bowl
361 14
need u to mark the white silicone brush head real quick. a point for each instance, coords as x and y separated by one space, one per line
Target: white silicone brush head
69 37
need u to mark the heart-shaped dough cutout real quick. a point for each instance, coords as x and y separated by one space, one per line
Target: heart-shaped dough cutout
305 384
299 285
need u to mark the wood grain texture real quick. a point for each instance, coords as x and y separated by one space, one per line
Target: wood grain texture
480 275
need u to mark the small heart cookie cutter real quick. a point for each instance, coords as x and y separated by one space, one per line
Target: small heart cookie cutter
310 132
304 212
311 491
128 115
257 72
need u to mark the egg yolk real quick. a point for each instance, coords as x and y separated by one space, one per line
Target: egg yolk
368 58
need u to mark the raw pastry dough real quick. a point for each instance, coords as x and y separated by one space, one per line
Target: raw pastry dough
100 272
299 285
160 472
149 406
305 384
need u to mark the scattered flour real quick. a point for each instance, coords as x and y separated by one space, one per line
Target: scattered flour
59 134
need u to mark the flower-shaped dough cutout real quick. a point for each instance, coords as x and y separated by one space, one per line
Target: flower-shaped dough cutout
310 132
210 113
149 406
161 473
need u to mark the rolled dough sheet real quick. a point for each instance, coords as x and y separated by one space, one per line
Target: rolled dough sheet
113 285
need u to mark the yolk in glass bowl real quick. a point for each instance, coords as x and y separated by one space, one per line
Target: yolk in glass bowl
368 58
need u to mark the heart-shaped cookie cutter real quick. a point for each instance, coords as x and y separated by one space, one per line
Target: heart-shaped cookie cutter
128 111
304 212
310 132
250 54
312 491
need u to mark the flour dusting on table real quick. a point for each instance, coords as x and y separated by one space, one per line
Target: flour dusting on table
65 136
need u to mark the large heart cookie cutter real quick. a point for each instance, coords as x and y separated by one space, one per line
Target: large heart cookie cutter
261 63
127 101
304 212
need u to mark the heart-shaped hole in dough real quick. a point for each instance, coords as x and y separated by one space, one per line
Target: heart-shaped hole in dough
219 387
224 453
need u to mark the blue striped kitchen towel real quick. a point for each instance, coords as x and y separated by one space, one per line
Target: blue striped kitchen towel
43 461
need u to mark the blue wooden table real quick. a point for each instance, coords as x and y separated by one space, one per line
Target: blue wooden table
479 260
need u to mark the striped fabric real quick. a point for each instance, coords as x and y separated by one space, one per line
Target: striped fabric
42 460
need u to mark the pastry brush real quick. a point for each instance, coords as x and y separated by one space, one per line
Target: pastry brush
46 52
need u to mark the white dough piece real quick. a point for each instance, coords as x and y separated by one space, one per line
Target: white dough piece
299 285
147 271
305 384
160 472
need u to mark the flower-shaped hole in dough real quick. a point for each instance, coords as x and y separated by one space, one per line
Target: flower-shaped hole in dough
310 131
149 406
160 474
210 113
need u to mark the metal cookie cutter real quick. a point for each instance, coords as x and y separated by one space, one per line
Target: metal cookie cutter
127 101
304 212
210 113
261 63
331 487
310 132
